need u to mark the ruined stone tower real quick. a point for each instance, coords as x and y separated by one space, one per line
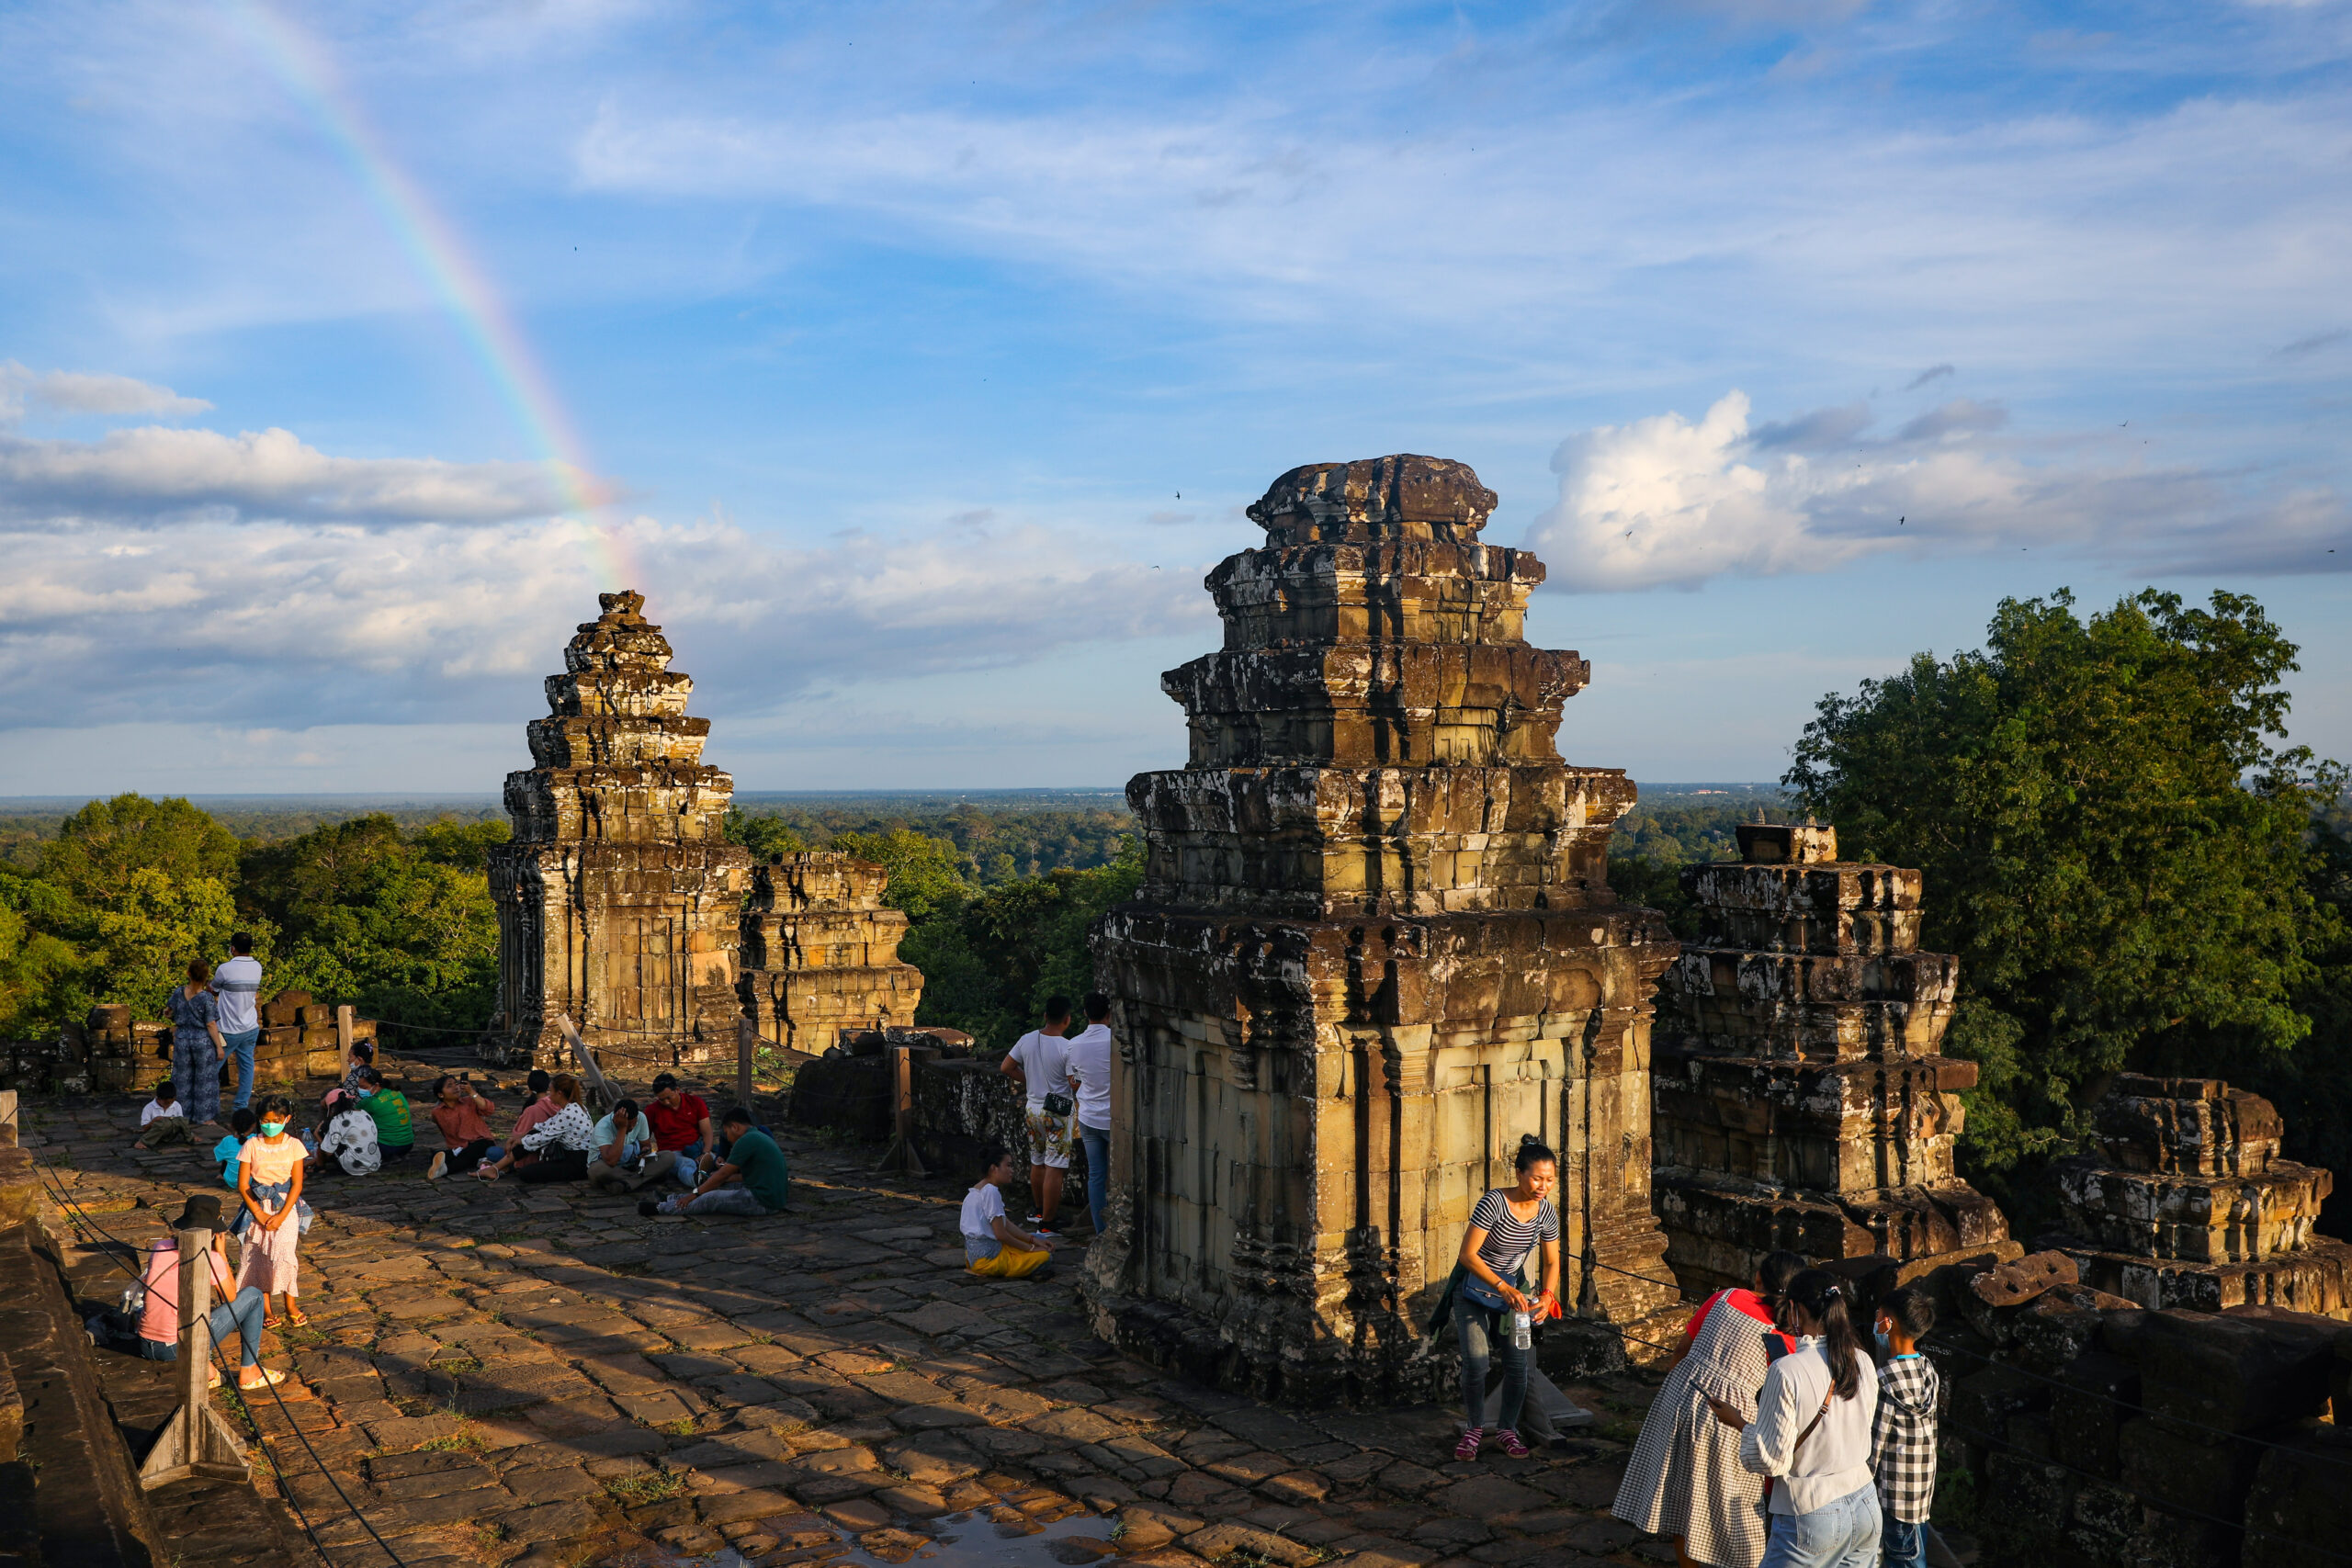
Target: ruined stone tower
618 897
2187 1205
1800 1101
820 953
1374 945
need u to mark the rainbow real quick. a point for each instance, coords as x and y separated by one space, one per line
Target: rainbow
489 329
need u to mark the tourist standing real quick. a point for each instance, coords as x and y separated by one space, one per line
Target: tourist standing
1903 1438
194 1013
269 1181
1812 1435
1685 1481
238 984
1039 1062
1492 1311
463 1116
1090 1069
994 1248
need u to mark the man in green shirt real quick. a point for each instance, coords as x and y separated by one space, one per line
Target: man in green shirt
388 1107
753 1179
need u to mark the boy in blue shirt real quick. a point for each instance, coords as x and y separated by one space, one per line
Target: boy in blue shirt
232 1148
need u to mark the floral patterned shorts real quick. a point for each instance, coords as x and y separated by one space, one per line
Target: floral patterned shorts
1051 1138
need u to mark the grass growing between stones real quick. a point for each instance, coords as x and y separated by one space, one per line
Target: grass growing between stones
466 1438
654 1486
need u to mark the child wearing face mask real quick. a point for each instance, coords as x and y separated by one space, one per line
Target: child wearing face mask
269 1181
1903 1436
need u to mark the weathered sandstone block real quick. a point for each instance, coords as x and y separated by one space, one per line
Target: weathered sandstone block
1374 945
821 954
617 896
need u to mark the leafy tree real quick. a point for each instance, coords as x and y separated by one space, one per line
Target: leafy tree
927 875
989 962
99 845
765 837
2114 848
35 964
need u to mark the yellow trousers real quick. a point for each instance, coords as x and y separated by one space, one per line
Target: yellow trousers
1011 1263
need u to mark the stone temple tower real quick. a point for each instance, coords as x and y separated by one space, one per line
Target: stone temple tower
617 896
1374 945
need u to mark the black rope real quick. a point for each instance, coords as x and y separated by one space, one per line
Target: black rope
82 1217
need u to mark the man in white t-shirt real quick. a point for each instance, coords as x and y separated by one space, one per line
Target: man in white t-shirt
1089 1069
1039 1062
238 984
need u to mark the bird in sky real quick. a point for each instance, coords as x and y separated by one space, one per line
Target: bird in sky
1900 521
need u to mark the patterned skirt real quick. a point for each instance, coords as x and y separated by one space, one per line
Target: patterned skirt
271 1262
1685 1478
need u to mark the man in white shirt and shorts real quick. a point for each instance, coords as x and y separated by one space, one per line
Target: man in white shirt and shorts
1039 1062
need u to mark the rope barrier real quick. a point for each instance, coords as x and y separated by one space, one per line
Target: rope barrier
83 1218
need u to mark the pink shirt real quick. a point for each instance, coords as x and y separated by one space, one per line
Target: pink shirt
161 1321
533 1114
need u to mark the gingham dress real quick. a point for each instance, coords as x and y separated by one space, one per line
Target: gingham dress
1685 1477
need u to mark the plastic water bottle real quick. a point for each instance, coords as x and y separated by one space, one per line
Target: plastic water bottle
1519 1326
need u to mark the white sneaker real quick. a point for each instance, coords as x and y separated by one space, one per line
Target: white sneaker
439 1168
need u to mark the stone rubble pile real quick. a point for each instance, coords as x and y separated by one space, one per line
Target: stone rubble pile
618 895
1374 944
1802 1101
2188 1204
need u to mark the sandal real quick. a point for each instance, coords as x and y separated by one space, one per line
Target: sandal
1507 1440
1467 1449
297 1317
268 1376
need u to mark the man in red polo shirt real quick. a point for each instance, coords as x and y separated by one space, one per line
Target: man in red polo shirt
681 1124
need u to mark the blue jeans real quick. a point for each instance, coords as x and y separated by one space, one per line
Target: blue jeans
1097 1141
240 1318
240 1046
718 1200
1484 1330
1843 1534
1902 1545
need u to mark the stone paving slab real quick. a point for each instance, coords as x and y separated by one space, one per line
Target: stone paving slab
499 1376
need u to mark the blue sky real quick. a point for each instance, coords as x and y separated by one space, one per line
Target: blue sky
917 361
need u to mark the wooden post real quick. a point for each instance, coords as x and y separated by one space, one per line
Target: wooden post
747 1041
342 1038
198 1440
900 1156
600 1093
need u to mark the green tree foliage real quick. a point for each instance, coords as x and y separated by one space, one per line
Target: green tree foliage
1652 843
928 876
2117 854
99 845
398 924
765 837
996 846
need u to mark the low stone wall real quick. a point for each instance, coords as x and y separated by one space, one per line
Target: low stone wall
961 1106
2096 1433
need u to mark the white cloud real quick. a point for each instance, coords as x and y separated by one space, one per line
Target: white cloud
74 391
156 473
286 625
1667 502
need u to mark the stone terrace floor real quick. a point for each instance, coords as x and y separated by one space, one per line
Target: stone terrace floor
507 1375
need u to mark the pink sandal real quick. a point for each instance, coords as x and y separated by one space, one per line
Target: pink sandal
1467 1449
1507 1440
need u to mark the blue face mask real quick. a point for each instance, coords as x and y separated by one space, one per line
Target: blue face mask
1885 1347
367 1093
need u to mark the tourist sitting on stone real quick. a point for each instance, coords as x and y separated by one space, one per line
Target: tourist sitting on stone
161 1119
994 1247
363 1059
395 1130
1685 1481
1490 1309
1812 1435
624 1158
753 1180
350 1137
156 1332
680 1125
1903 1438
463 1116
560 1145
540 1108
231 1149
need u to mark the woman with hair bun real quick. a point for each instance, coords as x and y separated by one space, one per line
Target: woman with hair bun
1812 1435
1509 1225
1685 1481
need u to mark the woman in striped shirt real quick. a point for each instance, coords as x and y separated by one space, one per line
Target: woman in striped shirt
1509 1223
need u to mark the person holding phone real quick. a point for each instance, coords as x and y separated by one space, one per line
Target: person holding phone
1507 1226
1039 1062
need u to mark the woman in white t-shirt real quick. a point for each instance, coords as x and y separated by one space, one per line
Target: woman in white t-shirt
1812 1435
994 1247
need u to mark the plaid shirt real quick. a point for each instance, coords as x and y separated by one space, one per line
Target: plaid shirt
1903 1438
